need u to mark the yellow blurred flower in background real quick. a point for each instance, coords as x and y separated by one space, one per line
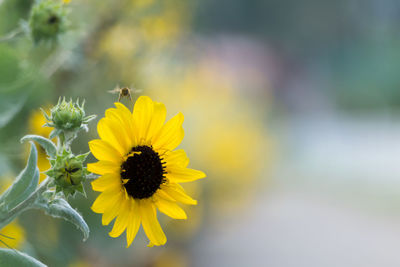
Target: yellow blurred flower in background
229 136
12 235
129 46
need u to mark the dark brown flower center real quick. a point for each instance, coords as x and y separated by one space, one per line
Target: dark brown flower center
144 171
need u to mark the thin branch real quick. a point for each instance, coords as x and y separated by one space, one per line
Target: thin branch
11 35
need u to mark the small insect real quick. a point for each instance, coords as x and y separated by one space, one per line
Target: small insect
124 92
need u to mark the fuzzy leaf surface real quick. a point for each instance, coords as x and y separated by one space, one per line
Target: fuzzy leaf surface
12 258
47 144
24 185
60 208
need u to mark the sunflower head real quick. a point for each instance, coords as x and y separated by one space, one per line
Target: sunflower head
140 169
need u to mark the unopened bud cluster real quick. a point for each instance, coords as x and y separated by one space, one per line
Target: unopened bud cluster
67 170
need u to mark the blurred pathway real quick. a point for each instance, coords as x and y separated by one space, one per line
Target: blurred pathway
334 201
288 228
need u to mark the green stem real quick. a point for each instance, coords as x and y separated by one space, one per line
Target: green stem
11 35
24 205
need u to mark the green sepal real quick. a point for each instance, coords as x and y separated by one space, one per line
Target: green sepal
47 144
58 189
68 192
79 188
45 114
12 257
82 157
55 132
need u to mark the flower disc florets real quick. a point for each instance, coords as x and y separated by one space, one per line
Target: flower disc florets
47 21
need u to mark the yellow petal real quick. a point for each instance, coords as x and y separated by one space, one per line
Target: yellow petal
103 200
134 222
122 124
177 157
106 181
108 131
183 175
170 208
121 222
102 150
177 192
170 135
151 226
142 115
112 210
103 167
157 121
126 116
163 194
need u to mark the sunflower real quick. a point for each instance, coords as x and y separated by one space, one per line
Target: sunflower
140 170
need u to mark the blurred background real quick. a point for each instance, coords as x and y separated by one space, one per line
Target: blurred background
291 109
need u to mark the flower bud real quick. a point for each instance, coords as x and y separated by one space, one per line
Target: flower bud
67 117
68 172
48 20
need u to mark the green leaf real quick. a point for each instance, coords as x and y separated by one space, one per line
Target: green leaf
47 144
24 185
60 208
12 258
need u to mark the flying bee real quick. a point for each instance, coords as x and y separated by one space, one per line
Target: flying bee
124 92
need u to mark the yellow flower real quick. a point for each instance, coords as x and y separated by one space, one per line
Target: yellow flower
66 1
140 170
36 122
12 235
